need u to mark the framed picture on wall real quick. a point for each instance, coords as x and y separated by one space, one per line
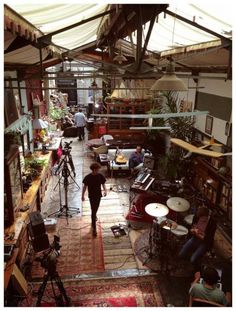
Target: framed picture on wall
209 124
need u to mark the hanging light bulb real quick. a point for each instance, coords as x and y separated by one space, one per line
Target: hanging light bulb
120 58
94 84
169 81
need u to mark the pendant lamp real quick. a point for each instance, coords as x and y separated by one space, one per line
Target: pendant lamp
39 124
169 81
120 58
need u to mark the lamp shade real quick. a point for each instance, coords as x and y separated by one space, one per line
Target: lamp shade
39 124
94 85
120 58
169 81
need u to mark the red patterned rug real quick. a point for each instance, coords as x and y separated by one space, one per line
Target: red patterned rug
170 260
116 292
80 252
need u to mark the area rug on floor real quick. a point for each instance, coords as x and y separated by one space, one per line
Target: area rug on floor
139 291
169 263
80 252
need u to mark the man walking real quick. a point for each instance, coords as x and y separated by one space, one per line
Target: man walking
94 181
80 122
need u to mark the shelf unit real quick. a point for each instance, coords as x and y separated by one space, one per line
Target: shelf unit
126 108
216 187
12 185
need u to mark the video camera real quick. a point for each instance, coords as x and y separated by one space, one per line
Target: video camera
49 259
67 147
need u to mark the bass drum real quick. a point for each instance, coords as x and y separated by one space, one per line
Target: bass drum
137 209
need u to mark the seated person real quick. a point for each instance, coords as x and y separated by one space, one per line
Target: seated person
203 232
67 122
136 160
207 290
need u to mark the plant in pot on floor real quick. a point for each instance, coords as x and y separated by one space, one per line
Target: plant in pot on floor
173 164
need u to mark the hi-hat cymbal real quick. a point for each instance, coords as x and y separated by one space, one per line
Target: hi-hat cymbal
156 209
178 204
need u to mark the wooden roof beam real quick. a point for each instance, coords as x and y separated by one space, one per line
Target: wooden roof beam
194 24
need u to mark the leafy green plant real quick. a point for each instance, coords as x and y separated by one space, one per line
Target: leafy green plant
56 113
153 134
34 166
181 127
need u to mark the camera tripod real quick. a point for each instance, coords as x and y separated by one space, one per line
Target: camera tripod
52 275
65 167
65 171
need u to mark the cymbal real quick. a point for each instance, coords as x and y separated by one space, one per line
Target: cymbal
156 209
178 204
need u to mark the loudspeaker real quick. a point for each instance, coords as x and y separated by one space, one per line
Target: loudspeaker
36 226
40 243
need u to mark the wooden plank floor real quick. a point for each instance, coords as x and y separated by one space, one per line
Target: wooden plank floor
118 251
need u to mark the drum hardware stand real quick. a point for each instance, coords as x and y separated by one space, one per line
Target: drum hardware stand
161 247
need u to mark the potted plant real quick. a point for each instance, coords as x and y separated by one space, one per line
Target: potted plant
57 113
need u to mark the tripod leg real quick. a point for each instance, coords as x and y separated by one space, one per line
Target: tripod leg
62 290
42 289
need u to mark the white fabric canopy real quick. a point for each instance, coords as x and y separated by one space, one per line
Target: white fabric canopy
168 32
51 17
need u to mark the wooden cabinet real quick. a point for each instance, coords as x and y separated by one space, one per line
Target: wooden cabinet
130 109
119 128
225 199
216 187
12 185
126 108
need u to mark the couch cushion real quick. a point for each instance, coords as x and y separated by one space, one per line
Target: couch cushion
125 152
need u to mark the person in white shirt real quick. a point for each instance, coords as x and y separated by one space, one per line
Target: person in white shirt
80 122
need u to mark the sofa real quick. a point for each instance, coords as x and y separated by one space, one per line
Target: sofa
120 168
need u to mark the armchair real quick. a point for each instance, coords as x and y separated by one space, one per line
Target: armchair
99 150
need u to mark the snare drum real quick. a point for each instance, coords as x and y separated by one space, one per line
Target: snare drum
179 236
180 231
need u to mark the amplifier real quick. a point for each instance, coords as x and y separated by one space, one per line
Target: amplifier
36 225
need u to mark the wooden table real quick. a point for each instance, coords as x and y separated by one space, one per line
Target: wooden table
9 267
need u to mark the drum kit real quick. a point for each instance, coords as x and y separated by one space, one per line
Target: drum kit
173 232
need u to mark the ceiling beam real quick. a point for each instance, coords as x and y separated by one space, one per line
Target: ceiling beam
48 37
194 24
147 39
